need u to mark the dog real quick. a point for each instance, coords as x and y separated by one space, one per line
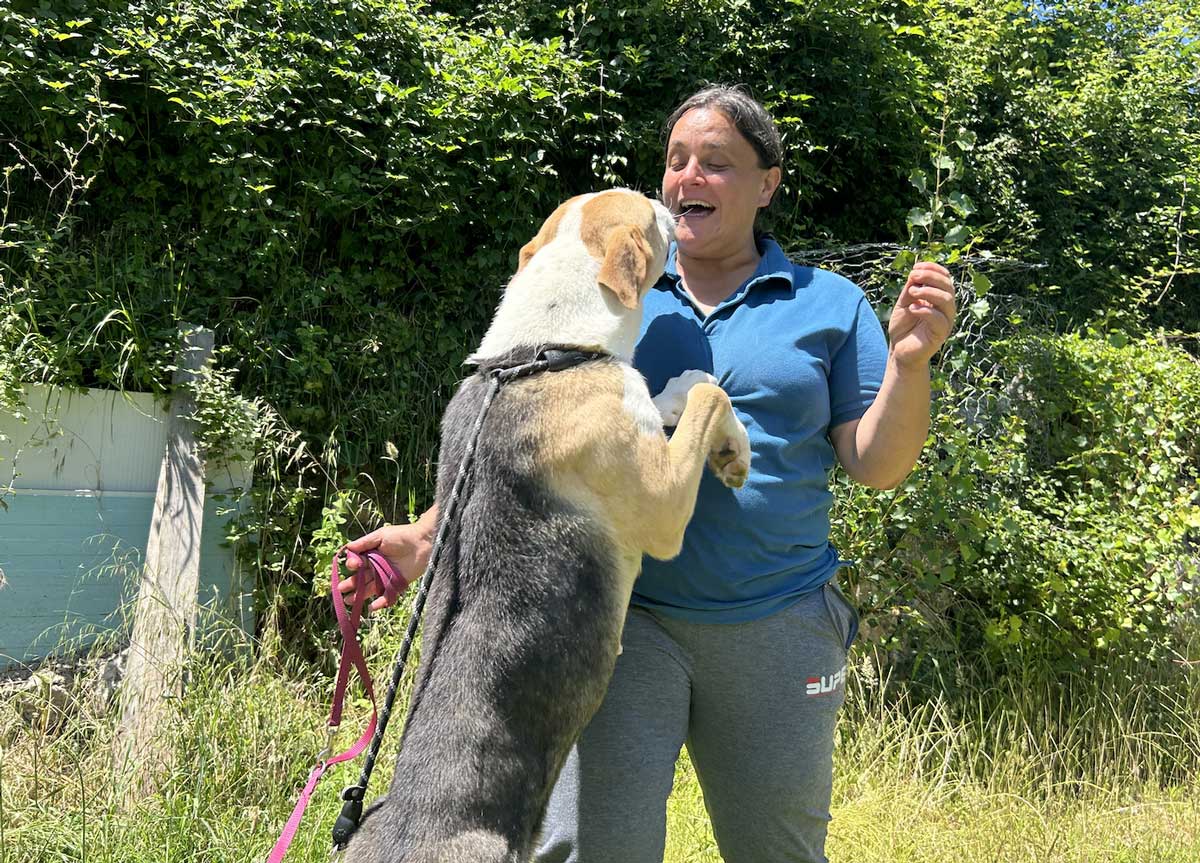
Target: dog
573 480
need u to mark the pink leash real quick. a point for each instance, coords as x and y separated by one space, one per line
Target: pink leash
392 584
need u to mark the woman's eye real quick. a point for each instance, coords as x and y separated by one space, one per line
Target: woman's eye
713 166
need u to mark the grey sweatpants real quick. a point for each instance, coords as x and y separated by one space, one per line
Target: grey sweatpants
756 704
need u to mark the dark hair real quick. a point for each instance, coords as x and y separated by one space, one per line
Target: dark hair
744 111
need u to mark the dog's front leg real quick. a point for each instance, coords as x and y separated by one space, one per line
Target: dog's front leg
707 429
673 399
715 431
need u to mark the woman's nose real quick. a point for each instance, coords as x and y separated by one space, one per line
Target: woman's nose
692 172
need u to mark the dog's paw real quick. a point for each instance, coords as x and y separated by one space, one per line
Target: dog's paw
730 456
673 399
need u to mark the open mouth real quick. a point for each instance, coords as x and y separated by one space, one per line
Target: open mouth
693 208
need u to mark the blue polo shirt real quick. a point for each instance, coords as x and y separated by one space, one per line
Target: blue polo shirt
798 350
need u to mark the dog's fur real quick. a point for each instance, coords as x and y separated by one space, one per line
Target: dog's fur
573 480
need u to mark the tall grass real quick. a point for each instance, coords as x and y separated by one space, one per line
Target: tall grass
1095 766
1092 767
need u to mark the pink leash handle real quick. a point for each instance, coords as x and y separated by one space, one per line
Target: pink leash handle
392 585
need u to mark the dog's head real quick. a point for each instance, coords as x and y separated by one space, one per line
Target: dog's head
626 232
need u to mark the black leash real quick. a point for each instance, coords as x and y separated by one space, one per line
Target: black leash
549 360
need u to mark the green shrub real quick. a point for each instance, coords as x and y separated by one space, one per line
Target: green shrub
1054 514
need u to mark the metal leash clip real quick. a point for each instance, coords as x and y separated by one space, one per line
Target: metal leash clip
327 750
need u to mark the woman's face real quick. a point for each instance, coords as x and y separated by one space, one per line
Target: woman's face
714 180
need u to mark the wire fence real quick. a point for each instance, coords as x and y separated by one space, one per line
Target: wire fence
997 307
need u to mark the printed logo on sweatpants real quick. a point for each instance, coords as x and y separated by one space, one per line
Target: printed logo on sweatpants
826 684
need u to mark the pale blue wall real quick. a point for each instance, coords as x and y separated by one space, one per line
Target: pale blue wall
72 559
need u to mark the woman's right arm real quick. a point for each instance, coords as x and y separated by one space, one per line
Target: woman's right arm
406 547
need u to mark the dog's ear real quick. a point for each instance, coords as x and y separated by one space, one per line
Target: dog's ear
547 233
530 249
626 262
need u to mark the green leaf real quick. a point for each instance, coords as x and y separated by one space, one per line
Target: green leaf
962 204
904 261
981 283
919 180
958 235
918 218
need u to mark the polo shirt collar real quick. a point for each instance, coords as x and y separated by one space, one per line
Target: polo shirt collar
773 264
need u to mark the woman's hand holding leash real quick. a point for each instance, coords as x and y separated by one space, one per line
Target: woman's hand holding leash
406 547
386 562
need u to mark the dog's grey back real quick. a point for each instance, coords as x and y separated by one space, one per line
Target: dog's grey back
519 643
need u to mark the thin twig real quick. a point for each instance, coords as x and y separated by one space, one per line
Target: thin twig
1178 246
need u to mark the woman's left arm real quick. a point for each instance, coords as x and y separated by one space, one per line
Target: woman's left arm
880 448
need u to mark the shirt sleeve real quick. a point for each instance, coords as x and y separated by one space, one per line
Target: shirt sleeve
856 369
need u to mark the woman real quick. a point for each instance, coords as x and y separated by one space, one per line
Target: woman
738 646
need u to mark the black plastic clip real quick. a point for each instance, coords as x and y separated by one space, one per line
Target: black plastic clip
351 814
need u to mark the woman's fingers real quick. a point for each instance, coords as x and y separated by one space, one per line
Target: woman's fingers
929 287
931 275
365 543
937 324
402 546
931 297
350 584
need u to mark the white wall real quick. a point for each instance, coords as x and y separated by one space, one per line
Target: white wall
78 474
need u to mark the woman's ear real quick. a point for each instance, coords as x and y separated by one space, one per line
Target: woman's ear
771 182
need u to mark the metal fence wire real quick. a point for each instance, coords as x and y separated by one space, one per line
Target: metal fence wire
971 374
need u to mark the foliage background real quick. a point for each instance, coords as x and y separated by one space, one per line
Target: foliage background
339 189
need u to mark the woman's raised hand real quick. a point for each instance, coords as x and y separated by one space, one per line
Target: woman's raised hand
924 315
